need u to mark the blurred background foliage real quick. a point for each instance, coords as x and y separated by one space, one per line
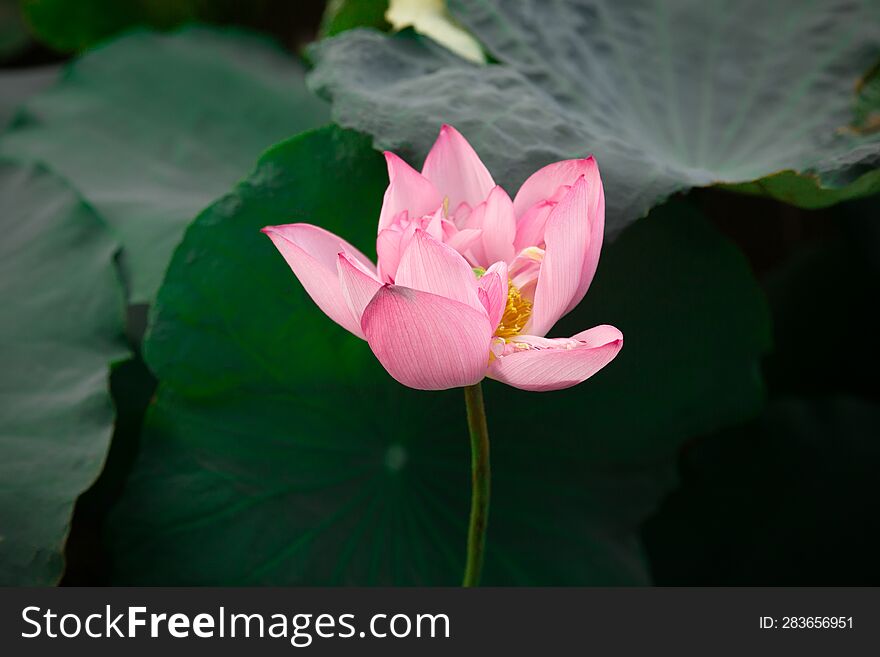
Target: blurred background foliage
254 442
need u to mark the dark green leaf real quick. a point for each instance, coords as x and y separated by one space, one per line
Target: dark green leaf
807 190
279 451
87 563
342 15
76 26
821 297
13 33
152 128
667 95
60 326
787 500
66 26
790 499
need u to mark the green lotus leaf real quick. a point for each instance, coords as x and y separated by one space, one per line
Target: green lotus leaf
152 128
61 316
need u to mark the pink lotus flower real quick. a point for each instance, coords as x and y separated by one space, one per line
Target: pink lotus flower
468 282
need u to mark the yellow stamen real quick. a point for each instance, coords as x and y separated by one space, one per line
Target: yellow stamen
445 207
516 313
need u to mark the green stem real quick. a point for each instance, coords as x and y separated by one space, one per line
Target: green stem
476 415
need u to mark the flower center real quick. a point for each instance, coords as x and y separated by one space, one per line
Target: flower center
516 313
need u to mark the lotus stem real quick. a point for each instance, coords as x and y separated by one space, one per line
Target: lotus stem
480 477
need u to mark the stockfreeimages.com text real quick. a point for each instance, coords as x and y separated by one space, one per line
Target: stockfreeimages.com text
299 629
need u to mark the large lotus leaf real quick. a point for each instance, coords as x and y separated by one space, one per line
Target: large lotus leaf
61 312
279 451
151 128
779 500
667 95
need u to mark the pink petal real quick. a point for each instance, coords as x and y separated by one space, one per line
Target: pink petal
311 253
475 252
407 190
388 248
567 238
431 266
493 292
321 244
358 285
459 216
545 182
427 341
499 227
434 225
530 229
456 170
597 233
539 365
462 240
